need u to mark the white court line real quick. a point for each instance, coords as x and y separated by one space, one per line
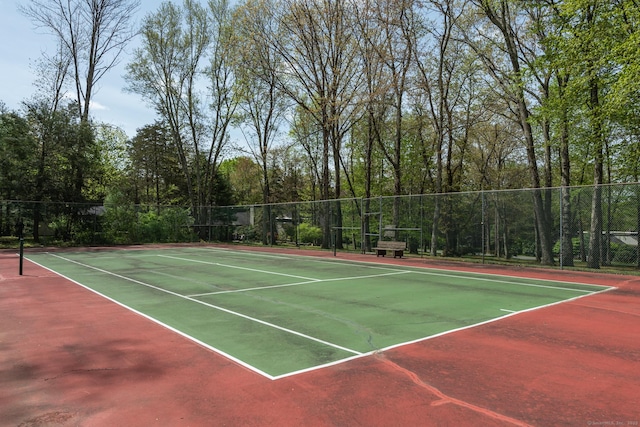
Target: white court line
158 322
255 289
299 284
370 276
439 334
510 282
127 256
244 316
250 253
333 363
421 270
470 275
515 313
490 277
240 268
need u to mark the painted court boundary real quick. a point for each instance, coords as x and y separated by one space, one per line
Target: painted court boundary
357 354
422 270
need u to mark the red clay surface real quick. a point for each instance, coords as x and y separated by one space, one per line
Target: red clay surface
68 357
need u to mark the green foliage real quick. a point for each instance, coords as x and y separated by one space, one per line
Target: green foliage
579 65
17 157
61 227
119 224
109 162
244 179
152 173
575 242
222 194
246 233
624 254
171 225
309 233
289 230
125 223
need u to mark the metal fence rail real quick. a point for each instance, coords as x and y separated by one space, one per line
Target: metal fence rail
498 224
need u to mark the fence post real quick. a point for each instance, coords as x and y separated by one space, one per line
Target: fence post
363 214
561 254
482 223
380 220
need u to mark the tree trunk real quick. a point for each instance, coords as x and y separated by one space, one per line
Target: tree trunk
565 182
638 226
595 230
499 15
434 226
324 191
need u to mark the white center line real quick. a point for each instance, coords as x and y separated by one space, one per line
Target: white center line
260 288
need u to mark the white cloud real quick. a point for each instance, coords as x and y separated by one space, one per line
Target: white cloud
96 106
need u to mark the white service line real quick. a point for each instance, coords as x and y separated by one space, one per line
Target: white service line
438 272
461 273
234 291
244 316
246 253
240 268
369 276
260 288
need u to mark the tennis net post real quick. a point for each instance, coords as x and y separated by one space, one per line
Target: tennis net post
21 254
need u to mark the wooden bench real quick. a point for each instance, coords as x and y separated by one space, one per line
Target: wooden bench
390 245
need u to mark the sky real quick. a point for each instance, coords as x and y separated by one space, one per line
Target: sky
21 45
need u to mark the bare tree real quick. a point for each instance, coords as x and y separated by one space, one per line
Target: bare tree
184 70
501 30
398 22
320 73
164 72
52 79
444 73
93 33
375 88
222 91
261 100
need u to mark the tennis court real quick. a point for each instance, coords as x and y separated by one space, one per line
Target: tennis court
236 335
281 314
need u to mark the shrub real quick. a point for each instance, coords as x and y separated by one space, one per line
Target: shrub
624 254
309 233
124 225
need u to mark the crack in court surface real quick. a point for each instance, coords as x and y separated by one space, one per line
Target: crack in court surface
443 398
79 371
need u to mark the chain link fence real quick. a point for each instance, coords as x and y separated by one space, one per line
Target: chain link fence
498 224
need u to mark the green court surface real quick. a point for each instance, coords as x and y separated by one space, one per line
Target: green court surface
283 314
